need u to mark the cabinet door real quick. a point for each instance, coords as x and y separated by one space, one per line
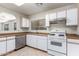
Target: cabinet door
52 17
73 49
47 20
2 47
28 40
42 43
34 41
25 22
72 16
61 14
10 45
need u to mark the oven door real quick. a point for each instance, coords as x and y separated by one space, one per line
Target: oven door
58 45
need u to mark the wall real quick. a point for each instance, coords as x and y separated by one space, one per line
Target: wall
17 15
71 30
0 27
62 25
42 14
11 25
78 21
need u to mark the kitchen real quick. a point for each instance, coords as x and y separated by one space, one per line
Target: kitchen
39 29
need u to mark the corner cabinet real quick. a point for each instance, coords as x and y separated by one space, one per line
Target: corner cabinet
72 16
31 41
25 23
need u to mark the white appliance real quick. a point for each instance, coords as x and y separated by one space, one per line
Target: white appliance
57 43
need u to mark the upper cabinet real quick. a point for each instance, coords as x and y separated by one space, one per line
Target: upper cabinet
25 23
47 20
61 14
52 17
69 15
72 16
38 24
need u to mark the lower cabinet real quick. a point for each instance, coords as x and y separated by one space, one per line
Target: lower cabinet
2 47
10 44
73 49
37 41
28 40
31 41
34 41
42 43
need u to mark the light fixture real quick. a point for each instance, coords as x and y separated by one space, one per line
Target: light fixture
39 4
6 17
18 4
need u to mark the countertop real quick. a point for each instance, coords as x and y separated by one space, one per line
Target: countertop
72 36
45 33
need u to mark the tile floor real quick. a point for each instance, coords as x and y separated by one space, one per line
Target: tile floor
28 51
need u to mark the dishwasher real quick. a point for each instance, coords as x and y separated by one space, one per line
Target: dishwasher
20 41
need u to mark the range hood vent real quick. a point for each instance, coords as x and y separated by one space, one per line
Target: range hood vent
58 20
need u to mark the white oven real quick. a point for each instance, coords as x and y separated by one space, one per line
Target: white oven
57 43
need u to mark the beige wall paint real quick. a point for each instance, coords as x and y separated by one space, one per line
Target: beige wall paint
71 30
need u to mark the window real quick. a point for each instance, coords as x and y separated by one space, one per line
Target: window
15 26
6 27
38 25
6 17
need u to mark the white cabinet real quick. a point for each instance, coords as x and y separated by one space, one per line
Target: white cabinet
28 40
52 17
48 18
73 49
37 41
25 23
10 44
7 45
61 14
42 43
47 21
31 40
2 47
72 16
34 41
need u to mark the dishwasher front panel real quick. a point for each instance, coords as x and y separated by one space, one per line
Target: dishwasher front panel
20 41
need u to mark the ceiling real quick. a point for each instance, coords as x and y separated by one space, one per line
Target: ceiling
32 8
